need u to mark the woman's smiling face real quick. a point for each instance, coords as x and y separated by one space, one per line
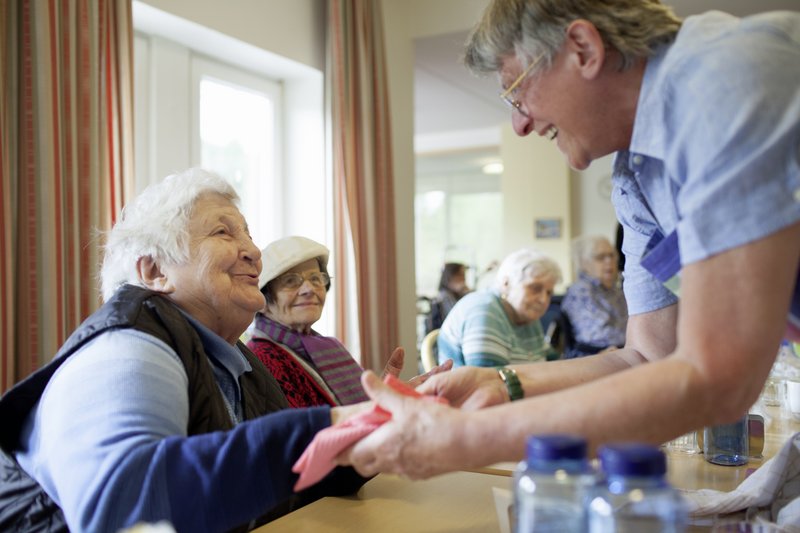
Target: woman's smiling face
218 284
298 308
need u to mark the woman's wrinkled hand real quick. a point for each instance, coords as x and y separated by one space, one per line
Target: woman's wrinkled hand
342 413
395 365
468 387
417 442
416 381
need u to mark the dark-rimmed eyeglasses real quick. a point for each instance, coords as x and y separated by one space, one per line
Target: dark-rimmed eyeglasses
508 96
293 280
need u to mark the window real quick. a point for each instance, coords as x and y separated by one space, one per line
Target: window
195 111
268 136
237 118
458 217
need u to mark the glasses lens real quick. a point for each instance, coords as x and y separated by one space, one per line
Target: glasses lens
294 280
318 280
291 281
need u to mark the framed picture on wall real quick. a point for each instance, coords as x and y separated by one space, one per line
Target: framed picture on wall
547 228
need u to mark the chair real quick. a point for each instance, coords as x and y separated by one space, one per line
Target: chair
564 336
560 335
553 312
428 350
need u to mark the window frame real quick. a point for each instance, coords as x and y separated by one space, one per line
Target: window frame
201 67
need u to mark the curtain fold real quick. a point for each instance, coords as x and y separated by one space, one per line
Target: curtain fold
363 190
66 165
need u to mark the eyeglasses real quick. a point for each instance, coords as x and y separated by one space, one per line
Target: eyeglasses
608 256
508 95
293 280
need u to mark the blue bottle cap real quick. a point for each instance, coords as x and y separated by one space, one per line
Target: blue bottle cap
556 447
633 459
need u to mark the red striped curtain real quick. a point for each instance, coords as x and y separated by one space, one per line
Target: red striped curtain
363 187
66 165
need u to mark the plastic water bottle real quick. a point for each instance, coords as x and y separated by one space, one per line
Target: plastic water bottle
635 496
550 486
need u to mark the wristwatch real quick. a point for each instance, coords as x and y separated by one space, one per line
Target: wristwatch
514 387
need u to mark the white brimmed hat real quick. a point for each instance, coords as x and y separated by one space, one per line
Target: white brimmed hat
283 254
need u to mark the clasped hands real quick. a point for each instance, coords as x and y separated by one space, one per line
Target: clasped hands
422 438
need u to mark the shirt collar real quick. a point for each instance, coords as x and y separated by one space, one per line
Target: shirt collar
648 136
227 355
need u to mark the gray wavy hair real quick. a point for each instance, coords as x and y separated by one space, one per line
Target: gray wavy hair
518 265
528 28
583 250
154 224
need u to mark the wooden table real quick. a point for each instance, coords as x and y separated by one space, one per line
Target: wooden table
464 501
693 472
460 501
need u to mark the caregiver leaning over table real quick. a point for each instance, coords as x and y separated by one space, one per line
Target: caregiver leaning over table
704 117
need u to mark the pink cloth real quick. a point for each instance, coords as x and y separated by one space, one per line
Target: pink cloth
318 458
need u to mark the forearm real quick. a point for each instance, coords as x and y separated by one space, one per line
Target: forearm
239 474
110 443
726 351
646 405
209 482
556 375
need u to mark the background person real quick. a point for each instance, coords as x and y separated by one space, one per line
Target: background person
152 410
501 326
707 187
595 304
311 369
452 287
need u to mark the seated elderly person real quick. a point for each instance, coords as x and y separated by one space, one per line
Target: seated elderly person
452 287
310 368
501 326
595 304
152 410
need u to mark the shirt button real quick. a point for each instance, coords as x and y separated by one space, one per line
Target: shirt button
637 160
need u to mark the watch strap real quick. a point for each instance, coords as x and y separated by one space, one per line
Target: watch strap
513 386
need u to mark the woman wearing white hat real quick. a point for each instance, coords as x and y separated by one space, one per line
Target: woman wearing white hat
311 369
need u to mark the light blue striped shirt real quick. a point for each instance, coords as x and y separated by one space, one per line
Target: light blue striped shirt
477 332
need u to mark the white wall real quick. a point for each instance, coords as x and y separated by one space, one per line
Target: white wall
591 209
525 196
536 185
397 17
294 29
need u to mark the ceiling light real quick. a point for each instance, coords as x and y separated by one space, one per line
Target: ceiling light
493 168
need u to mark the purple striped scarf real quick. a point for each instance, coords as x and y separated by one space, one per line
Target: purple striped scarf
329 356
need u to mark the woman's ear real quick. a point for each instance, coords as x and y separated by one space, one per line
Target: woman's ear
587 51
151 275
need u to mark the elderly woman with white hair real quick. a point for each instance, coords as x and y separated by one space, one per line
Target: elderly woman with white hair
312 369
595 304
501 326
153 409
